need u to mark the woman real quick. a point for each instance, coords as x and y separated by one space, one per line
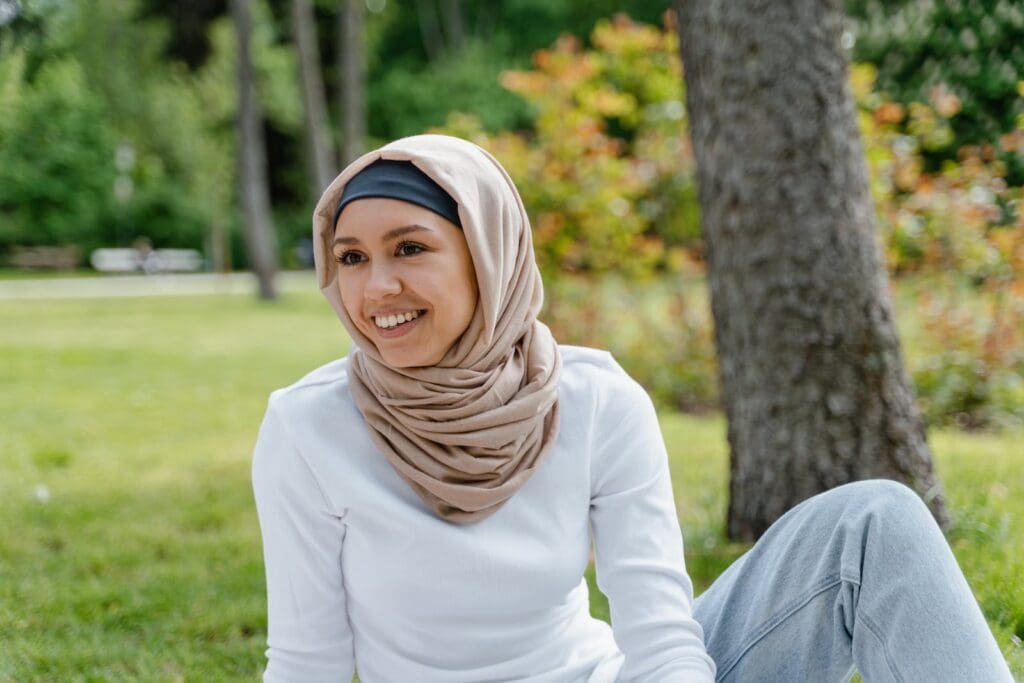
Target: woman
427 504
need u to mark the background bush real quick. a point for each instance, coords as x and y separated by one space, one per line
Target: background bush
973 48
606 171
56 158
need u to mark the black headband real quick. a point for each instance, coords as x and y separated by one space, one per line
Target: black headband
399 180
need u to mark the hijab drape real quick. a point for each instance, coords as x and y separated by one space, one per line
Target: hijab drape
466 433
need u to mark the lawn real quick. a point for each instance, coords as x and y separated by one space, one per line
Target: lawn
129 548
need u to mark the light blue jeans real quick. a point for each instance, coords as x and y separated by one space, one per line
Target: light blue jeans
857 577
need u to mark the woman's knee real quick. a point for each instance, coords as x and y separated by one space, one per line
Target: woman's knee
888 497
881 500
893 509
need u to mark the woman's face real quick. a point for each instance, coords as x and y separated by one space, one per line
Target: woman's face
406 279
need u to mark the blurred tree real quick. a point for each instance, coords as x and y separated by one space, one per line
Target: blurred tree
56 156
191 105
212 60
352 67
188 39
446 56
440 23
812 381
318 138
252 161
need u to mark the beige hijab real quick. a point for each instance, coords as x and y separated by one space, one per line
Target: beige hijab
468 432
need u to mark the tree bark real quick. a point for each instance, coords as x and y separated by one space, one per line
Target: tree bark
259 242
352 67
813 385
321 151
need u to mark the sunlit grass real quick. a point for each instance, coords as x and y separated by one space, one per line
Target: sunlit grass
129 547
24 274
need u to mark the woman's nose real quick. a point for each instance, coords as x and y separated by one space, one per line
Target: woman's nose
383 282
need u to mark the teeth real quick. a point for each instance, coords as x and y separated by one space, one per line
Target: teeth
388 321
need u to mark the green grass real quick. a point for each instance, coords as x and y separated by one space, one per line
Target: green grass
45 274
129 547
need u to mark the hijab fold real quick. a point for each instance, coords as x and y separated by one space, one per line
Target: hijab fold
469 432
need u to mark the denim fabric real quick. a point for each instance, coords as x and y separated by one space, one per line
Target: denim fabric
856 577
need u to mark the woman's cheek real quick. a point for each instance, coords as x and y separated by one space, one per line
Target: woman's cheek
350 302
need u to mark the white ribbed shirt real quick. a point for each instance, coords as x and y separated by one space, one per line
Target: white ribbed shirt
361 575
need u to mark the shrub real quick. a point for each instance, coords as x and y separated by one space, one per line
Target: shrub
56 160
606 171
972 48
664 340
167 215
969 370
963 217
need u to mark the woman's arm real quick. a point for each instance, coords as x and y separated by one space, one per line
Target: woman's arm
309 637
638 544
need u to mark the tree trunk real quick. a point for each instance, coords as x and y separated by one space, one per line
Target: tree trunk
451 13
220 248
259 241
430 32
321 152
813 385
352 67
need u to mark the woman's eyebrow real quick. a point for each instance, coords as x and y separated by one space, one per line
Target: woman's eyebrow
394 233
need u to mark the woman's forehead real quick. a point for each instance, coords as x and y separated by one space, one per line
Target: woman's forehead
398 179
382 217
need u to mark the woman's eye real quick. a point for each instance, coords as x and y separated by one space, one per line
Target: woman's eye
348 258
409 249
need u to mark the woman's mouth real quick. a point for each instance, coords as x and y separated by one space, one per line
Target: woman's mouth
396 324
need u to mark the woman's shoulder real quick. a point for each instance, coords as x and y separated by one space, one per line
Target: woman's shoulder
596 373
323 389
580 358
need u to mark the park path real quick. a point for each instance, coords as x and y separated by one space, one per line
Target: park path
100 287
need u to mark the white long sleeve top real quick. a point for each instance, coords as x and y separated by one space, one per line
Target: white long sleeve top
361 575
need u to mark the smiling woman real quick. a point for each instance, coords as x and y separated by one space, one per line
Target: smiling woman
429 503
406 278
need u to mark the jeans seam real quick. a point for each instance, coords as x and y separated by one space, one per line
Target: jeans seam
875 631
780 616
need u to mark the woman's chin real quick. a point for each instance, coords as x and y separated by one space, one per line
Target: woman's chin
407 358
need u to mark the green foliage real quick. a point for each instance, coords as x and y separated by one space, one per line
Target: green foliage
165 214
276 71
605 171
975 48
411 89
56 158
968 362
81 84
659 330
405 102
964 219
